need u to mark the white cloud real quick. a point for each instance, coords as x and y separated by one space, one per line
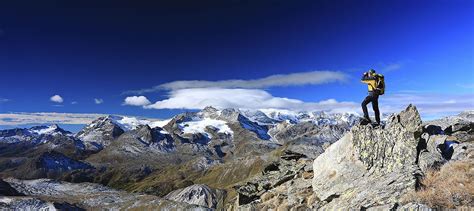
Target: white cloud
98 100
430 105
293 79
47 118
74 102
56 99
199 98
3 100
136 101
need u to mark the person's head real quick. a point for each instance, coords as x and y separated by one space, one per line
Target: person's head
371 71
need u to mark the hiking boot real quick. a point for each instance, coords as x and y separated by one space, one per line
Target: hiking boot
365 121
378 125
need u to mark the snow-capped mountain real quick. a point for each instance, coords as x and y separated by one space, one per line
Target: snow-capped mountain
49 130
100 133
316 117
115 149
213 146
129 123
34 135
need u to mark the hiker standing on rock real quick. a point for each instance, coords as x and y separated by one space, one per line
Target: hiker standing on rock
376 86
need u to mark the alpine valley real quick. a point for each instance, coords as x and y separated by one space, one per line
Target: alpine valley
234 159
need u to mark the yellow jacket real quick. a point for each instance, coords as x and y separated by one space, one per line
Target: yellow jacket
371 82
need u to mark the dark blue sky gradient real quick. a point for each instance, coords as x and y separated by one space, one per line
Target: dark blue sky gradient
98 50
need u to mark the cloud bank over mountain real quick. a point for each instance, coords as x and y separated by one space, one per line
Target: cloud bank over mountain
251 94
23 118
198 98
279 80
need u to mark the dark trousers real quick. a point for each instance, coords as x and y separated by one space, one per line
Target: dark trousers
374 99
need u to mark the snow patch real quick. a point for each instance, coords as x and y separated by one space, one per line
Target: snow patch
48 130
199 126
130 123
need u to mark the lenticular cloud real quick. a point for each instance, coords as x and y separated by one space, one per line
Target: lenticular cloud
199 98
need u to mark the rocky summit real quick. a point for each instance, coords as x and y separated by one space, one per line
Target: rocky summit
379 167
370 167
231 159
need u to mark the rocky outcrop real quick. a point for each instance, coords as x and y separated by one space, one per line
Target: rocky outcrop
454 142
369 166
198 194
282 184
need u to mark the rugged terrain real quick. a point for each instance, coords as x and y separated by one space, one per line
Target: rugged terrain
236 159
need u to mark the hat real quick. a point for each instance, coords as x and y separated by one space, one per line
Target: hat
371 71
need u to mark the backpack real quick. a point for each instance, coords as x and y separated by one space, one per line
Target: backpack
381 84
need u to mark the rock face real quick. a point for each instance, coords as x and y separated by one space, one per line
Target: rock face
369 166
197 194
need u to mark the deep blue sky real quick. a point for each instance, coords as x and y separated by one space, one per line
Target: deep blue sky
98 50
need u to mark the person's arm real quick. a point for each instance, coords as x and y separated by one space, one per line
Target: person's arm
366 78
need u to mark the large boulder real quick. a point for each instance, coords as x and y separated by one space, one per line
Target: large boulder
370 167
430 160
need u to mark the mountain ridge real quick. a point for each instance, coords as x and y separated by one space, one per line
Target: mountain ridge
238 158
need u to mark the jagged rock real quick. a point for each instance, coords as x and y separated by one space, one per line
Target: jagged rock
385 150
198 194
409 118
369 166
429 160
